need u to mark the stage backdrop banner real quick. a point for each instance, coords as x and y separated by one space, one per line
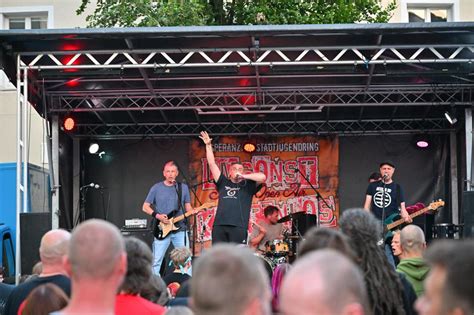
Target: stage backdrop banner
278 158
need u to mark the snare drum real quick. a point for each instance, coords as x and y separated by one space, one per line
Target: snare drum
276 248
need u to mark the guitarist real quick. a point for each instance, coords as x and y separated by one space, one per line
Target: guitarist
161 201
389 195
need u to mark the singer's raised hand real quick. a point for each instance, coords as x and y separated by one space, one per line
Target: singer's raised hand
205 137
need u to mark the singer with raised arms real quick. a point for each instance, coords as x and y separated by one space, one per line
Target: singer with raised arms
235 198
162 202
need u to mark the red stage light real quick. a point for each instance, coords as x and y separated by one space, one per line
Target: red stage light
247 100
69 124
72 83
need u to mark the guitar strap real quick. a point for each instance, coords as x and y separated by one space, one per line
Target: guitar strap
180 193
398 195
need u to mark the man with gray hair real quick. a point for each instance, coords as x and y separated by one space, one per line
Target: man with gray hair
53 247
230 280
412 264
97 263
449 288
326 282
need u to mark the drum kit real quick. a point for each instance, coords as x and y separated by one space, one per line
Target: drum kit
281 251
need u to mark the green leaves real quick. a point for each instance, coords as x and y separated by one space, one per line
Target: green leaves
129 13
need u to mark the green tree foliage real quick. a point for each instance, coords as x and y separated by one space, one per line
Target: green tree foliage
121 13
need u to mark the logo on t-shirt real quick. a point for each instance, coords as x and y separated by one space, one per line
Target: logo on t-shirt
380 197
231 192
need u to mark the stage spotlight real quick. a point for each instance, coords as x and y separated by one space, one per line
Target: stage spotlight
249 147
93 148
450 117
422 141
69 123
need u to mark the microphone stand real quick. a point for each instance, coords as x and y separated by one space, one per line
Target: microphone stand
384 184
318 195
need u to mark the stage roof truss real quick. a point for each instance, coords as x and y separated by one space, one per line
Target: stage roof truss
317 79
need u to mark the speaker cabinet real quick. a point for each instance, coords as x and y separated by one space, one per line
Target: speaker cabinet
32 228
468 213
145 235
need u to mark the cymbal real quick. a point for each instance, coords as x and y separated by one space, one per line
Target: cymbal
295 215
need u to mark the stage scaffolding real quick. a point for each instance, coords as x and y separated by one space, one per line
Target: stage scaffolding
241 80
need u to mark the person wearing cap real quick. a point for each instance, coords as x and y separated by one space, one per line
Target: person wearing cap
386 194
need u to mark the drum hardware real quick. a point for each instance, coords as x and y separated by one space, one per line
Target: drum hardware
447 231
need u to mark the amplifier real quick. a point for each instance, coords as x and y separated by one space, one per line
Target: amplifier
145 235
135 224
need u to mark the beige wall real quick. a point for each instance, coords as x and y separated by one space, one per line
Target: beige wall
63 16
9 133
466 10
64 11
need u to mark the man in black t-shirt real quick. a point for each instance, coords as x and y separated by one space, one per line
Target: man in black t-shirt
392 197
235 198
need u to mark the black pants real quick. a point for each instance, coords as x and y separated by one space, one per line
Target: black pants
229 234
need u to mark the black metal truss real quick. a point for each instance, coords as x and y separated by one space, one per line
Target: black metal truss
341 127
272 101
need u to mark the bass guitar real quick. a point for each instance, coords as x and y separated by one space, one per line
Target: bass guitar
162 230
394 220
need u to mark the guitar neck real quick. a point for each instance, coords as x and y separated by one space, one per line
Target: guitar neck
401 221
181 217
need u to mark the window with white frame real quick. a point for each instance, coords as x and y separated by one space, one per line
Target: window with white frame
21 18
430 10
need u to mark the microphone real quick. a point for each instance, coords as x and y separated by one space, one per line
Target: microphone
385 176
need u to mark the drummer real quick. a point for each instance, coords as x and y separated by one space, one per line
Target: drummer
267 229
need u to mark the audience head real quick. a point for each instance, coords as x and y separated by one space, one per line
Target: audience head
97 253
322 237
45 299
53 247
38 268
396 249
448 289
325 281
139 262
364 232
228 279
412 241
155 290
181 258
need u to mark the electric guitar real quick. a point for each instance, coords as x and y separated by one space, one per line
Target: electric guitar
394 220
162 230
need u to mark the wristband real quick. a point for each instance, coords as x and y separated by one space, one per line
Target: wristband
154 214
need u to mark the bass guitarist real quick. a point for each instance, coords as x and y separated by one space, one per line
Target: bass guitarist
383 198
160 203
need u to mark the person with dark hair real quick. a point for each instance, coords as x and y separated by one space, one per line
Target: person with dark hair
387 294
324 282
322 237
53 247
139 272
155 291
235 198
230 280
167 198
449 288
44 300
267 230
